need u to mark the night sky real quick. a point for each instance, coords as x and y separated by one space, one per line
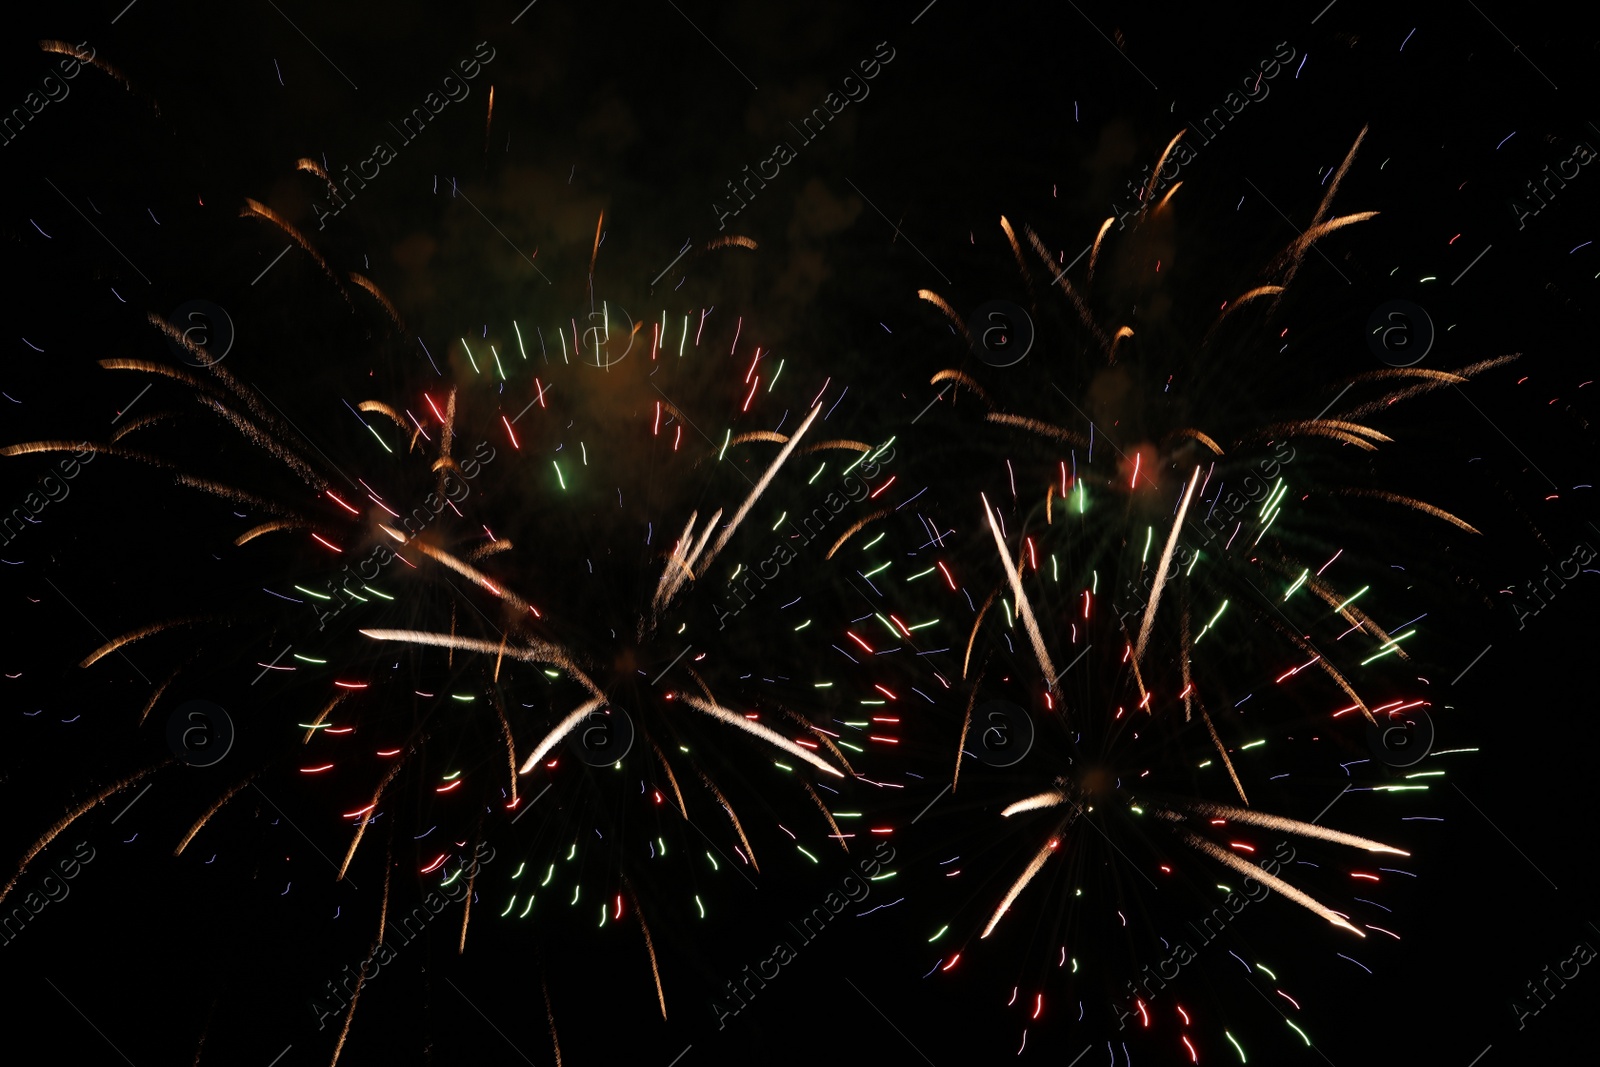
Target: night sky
617 155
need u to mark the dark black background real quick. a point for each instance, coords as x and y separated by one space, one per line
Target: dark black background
1040 113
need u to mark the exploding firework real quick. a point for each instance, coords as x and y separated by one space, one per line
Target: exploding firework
542 604
1125 538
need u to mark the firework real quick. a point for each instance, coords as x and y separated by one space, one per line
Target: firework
1128 537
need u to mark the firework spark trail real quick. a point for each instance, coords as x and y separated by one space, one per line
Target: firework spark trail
672 779
563 728
316 723
237 496
1072 294
650 947
733 817
143 632
939 302
1329 669
162 688
62 48
838 834
973 637
1016 252
1410 502
1155 175
61 824
1250 870
1433 380
267 443
1294 256
1024 610
472 574
855 529
1094 250
1021 883
269 527
1289 826
368 815
378 295
361 977
530 652
1054 798
256 209
1166 563
550 1015
505 734
766 733
1196 435
200 823
965 381
755 493
1222 750
1044 429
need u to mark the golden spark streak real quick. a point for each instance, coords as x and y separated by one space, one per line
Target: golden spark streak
61 824
855 529
1066 287
1196 435
1018 886
1166 563
1043 429
838 834
839 445
322 716
767 734
732 817
200 822
1250 870
1051 799
531 652
261 211
972 639
563 728
1410 502
1094 252
1291 826
655 969
939 302
963 380
760 487
366 818
136 635
672 778
1024 609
